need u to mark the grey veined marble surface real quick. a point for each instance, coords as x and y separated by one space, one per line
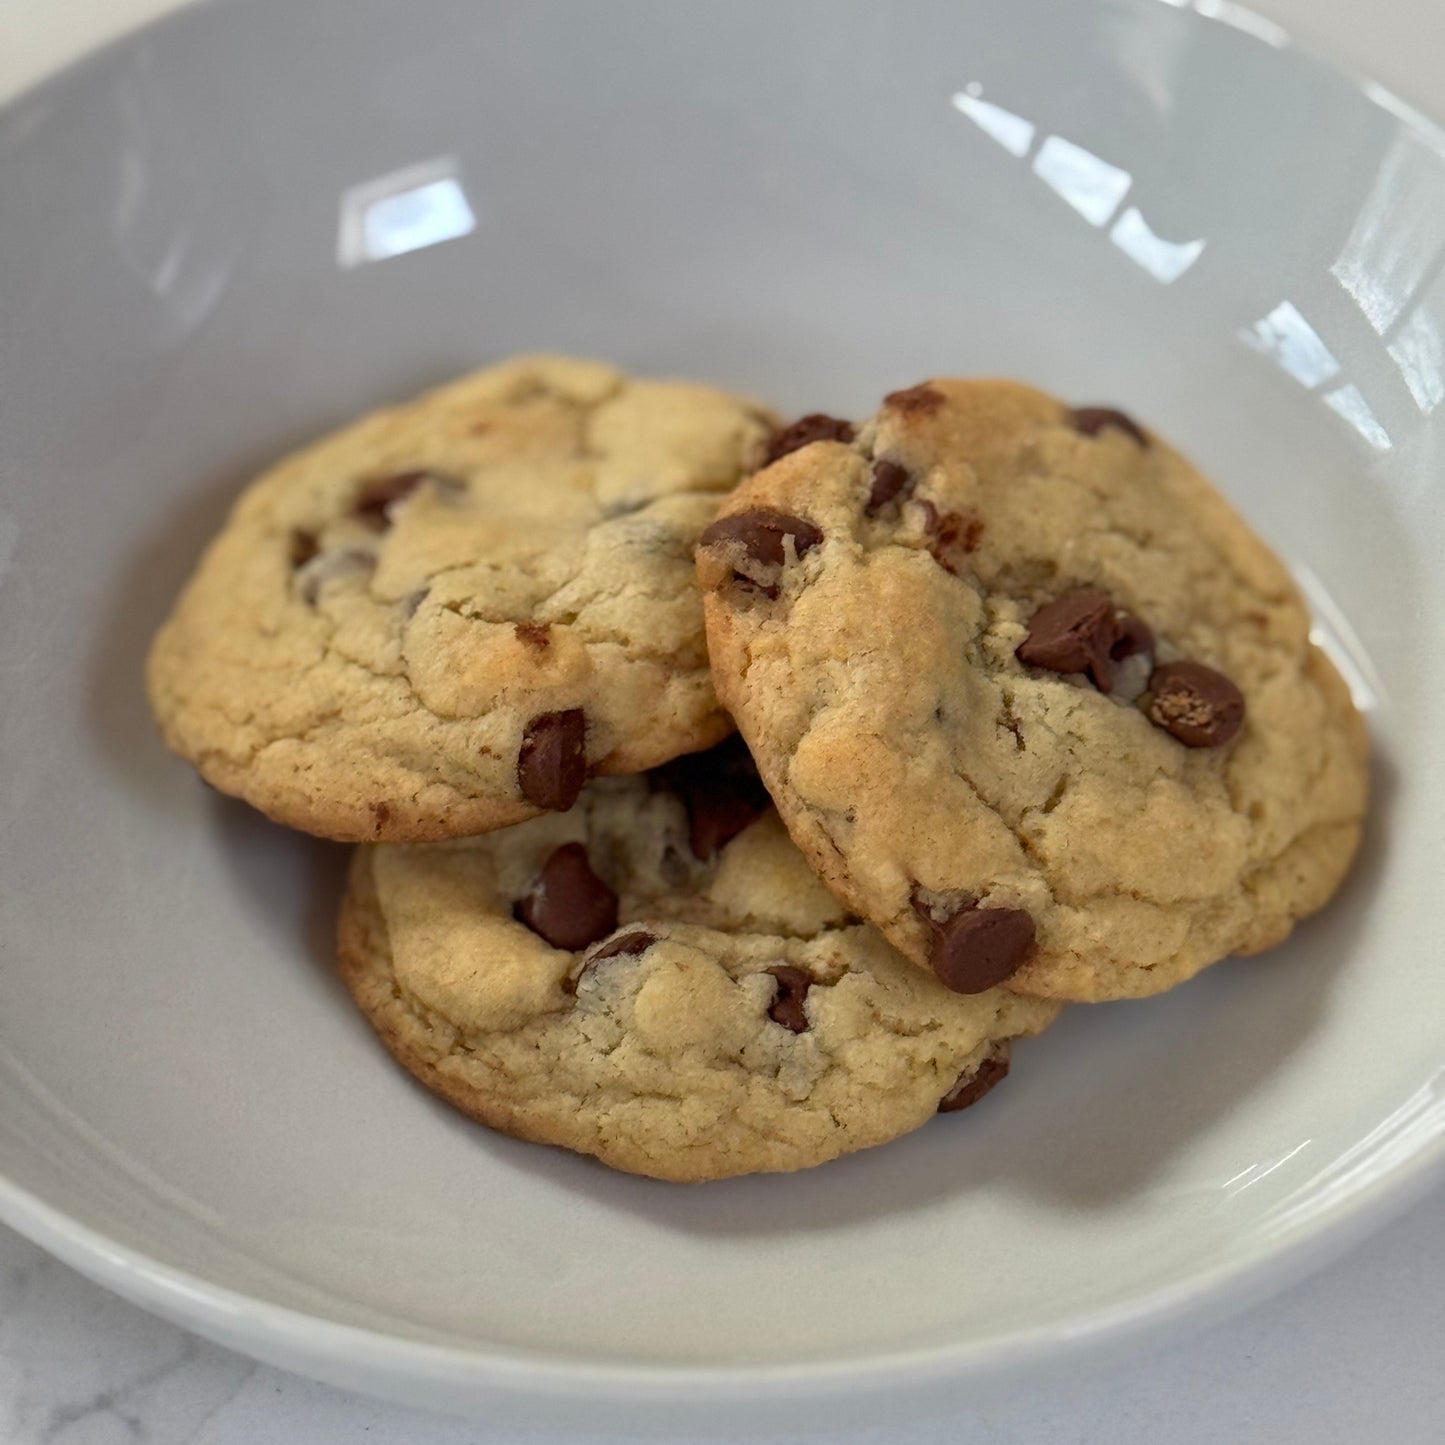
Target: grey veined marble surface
1357 1353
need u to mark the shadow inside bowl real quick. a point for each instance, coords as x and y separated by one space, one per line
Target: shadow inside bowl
147 584
118 715
272 863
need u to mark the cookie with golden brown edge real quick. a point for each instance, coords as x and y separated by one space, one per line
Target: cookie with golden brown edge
1030 695
656 978
446 616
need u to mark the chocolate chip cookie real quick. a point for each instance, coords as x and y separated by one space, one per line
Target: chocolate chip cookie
445 617
656 978
1029 694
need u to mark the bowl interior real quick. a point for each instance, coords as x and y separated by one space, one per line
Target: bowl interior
258 219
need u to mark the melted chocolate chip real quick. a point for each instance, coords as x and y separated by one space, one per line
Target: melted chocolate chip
761 534
815 427
1196 704
920 400
625 944
757 540
1132 635
568 904
376 497
1132 655
1076 633
552 762
721 791
536 635
1091 420
631 943
978 948
890 484
951 536
375 500
303 547
971 1087
787 1007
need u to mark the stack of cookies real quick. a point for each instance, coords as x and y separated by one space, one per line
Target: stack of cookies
1024 715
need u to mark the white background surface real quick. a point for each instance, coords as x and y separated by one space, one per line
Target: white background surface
1357 1353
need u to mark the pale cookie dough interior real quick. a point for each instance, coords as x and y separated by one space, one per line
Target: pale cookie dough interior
726 1018
868 649
367 648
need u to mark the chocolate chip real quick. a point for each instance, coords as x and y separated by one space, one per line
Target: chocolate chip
1091 420
715 819
381 812
978 948
536 635
1194 703
623 945
721 791
1132 654
568 904
375 500
762 534
787 1007
1076 633
637 941
303 547
757 541
815 427
631 943
1132 635
890 483
971 1087
920 400
951 536
552 763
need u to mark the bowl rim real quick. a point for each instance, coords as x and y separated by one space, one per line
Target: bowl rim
292 1336
382 1364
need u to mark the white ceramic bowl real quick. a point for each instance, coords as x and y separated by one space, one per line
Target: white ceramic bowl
240 227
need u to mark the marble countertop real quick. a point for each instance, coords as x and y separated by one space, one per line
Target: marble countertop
1357 1352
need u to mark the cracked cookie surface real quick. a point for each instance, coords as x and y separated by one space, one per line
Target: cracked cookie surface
1030 695
705 1008
444 617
